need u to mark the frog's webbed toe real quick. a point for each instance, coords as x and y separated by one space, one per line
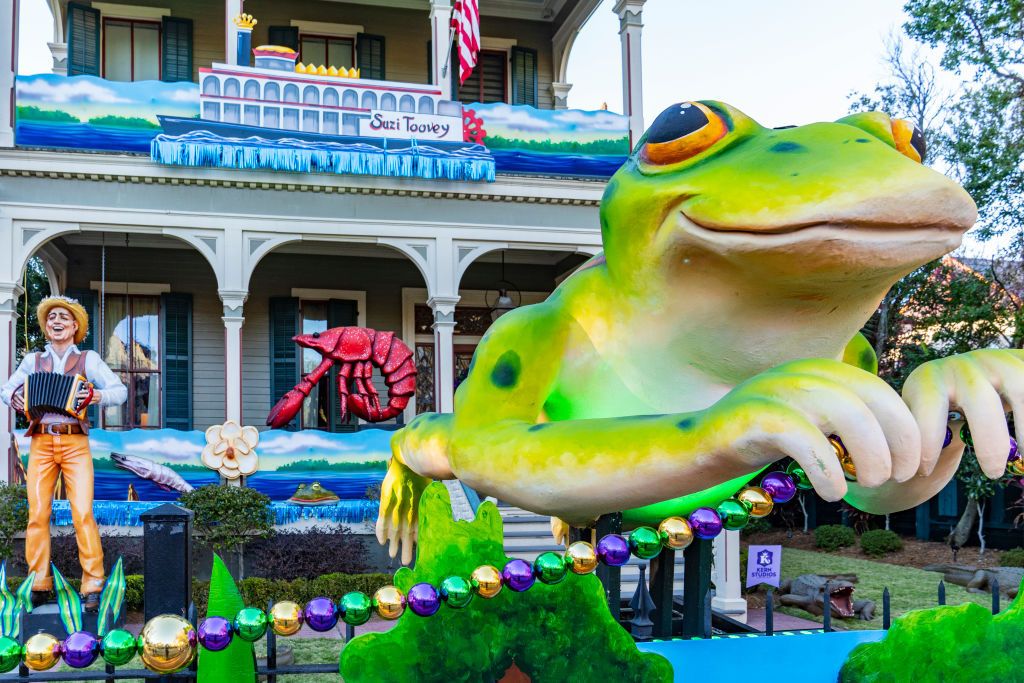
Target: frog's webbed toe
397 521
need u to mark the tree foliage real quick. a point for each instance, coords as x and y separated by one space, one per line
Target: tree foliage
30 335
229 516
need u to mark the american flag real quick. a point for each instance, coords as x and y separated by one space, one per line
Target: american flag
466 21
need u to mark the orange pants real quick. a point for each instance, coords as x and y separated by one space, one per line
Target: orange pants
68 454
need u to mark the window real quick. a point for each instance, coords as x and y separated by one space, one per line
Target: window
327 50
131 50
487 82
131 331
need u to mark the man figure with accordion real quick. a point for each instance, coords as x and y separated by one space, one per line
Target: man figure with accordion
54 388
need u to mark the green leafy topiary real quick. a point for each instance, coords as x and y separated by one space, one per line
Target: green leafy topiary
235 662
960 643
832 537
1012 558
229 516
13 515
880 542
557 633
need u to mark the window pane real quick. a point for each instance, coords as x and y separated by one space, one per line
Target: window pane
117 331
340 53
145 333
145 398
314 51
117 50
114 416
316 407
147 52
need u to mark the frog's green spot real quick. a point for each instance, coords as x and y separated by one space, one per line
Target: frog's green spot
863 140
686 424
539 426
794 174
867 358
787 147
506 371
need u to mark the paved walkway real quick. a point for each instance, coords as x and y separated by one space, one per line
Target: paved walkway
782 622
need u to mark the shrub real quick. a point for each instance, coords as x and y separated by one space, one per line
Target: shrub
1012 558
832 537
229 516
13 515
311 552
134 592
257 592
756 525
880 542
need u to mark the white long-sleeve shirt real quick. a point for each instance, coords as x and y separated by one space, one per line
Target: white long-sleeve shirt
96 371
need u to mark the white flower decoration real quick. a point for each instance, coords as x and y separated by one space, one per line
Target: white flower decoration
231 449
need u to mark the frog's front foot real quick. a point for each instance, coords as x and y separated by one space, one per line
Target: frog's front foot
397 520
791 409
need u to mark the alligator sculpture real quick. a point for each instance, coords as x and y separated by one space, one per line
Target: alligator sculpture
808 593
981 580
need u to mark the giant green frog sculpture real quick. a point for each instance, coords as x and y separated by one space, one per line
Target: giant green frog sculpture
713 337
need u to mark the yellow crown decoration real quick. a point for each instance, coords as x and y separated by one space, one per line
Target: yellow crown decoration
332 72
245 21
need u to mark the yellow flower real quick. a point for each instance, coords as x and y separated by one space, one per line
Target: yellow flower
231 449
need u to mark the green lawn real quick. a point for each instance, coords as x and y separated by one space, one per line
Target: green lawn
908 588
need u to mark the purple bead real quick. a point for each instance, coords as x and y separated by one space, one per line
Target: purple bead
321 614
613 550
423 600
80 649
518 575
706 523
949 437
215 633
1014 453
779 486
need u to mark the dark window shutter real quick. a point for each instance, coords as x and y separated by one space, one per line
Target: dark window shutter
177 50
341 313
285 36
284 353
524 76
486 83
176 360
83 33
370 56
89 300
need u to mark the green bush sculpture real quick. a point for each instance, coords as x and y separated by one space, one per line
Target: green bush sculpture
562 632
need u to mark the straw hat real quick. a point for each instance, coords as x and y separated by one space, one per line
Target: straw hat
72 305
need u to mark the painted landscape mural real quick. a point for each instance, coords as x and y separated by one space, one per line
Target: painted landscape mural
346 464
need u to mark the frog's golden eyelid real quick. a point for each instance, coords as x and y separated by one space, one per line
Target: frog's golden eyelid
909 139
682 131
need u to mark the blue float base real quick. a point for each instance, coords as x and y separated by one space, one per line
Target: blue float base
126 513
801 657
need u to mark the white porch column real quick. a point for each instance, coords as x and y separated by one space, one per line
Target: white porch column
444 352
441 45
560 91
59 46
9 293
8 68
727 578
233 320
232 8
630 27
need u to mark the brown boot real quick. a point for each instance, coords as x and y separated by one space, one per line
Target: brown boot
91 602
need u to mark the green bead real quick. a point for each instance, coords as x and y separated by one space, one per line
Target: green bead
10 654
965 435
356 608
549 568
645 542
251 624
118 647
799 476
734 515
456 592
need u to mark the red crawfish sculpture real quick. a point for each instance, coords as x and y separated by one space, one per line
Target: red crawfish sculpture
358 349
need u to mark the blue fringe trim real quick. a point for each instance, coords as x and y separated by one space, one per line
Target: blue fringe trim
126 513
417 160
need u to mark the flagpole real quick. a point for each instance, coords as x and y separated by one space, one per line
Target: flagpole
448 56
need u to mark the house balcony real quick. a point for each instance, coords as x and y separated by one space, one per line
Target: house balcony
363 89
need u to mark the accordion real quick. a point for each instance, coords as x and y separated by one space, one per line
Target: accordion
53 392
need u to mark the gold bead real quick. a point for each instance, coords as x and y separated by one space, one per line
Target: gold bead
675 533
42 651
486 581
389 602
756 500
581 558
844 457
286 618
168 643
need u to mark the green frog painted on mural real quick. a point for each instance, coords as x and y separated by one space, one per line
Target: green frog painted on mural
713 337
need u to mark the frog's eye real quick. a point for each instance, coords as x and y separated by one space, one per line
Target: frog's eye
909 139
682 131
